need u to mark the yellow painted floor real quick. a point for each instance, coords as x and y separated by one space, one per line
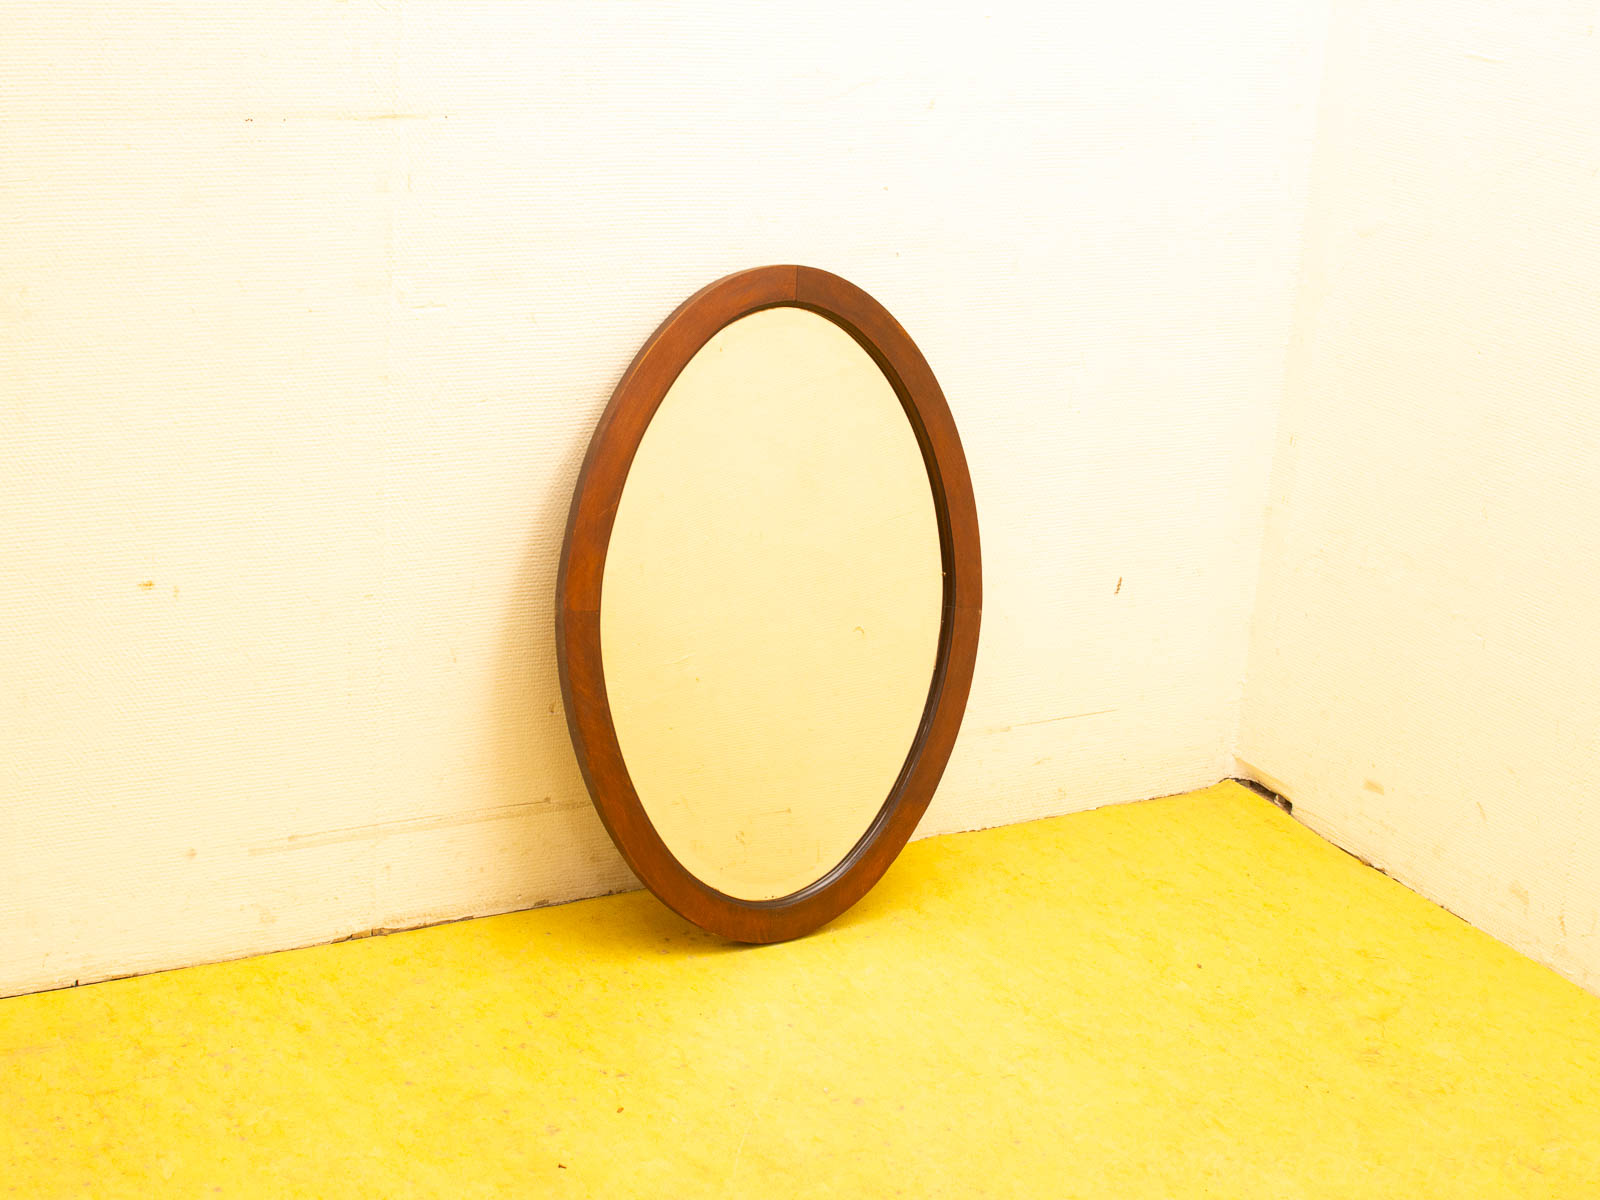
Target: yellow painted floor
1188 997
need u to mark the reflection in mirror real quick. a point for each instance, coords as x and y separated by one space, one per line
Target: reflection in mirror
771 603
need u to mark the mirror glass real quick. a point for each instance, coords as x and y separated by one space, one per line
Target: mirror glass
770 607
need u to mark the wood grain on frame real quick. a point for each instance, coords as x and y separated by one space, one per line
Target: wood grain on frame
599 489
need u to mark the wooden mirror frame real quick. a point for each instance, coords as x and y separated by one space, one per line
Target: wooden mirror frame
583 556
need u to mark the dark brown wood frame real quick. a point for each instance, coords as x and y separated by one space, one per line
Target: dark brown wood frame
583 557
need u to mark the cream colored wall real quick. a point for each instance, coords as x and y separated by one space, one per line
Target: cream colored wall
1425 672
306 313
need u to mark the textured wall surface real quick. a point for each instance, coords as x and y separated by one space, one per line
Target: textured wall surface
1425 672
307 311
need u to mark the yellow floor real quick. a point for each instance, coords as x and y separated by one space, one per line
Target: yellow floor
1192 996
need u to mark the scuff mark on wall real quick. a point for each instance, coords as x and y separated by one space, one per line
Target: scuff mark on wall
383 829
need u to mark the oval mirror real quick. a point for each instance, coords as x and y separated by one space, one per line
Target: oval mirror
768 602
